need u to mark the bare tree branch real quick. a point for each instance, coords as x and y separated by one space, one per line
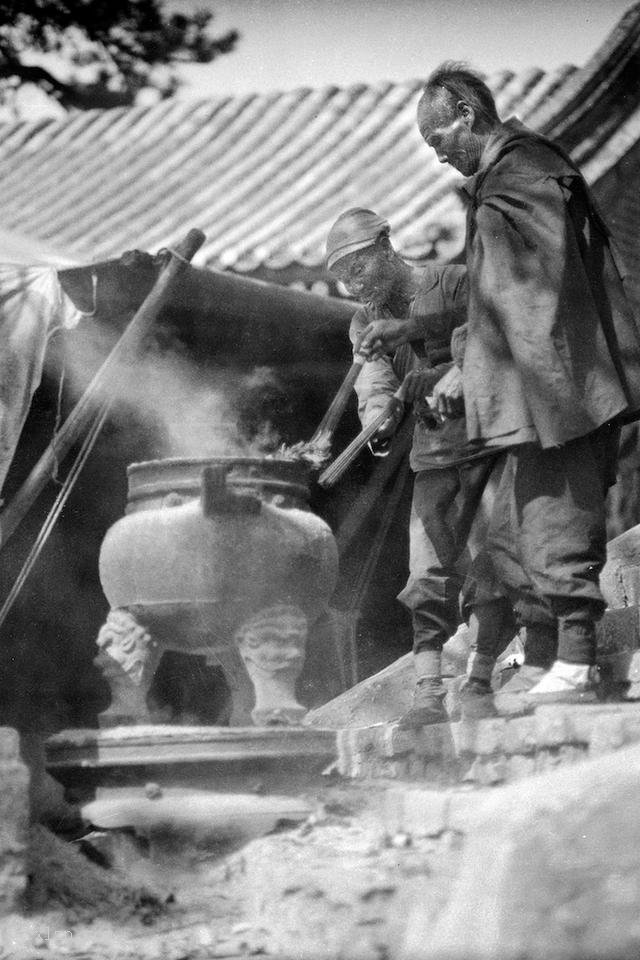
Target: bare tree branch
124 39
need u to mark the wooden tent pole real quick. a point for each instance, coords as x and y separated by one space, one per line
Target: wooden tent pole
105 384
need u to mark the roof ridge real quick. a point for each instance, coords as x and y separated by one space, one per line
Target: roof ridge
265 174
618 59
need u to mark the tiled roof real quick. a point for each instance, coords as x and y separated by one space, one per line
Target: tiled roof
15 248
265 176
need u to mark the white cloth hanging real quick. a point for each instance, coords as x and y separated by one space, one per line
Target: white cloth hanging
32 304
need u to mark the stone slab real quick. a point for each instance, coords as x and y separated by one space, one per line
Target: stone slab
231 759
180 824
172 744
620 577
386 695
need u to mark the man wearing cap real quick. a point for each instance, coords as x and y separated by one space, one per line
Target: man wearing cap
551 369
450 473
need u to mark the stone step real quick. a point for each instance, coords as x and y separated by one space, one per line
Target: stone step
387 694
487 752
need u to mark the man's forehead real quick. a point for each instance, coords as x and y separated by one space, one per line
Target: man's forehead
434 110
344 264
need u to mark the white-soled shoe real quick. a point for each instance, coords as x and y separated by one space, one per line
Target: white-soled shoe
511 699
564 683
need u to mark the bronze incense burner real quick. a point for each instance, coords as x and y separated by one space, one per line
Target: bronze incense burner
222 557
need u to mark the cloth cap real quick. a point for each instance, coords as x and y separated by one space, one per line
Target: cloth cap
354 230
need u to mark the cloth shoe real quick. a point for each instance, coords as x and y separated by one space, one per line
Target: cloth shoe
428 704
564 683
511 699
476 700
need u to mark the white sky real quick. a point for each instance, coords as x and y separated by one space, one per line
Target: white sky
291 43
286 44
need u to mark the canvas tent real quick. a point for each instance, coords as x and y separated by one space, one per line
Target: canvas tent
264 176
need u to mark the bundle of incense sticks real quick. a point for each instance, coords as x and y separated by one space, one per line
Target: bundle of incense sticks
327 427
334 471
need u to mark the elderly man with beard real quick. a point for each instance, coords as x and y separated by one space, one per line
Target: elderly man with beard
551 366
450 473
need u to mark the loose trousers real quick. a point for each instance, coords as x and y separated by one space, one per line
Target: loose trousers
445 504
546 542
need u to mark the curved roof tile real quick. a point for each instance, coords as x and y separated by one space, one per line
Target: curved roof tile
265 176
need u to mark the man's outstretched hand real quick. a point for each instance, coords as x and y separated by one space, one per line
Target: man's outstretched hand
447 394
381 337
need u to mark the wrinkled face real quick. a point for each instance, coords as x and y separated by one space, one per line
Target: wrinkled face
367 274
447 130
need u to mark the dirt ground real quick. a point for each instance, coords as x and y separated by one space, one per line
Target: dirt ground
335 885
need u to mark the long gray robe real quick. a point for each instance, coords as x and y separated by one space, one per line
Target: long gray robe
553 350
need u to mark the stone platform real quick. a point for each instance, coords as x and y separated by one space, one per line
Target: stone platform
487 752
224 759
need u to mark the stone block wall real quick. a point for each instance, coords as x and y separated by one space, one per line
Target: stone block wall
14 820
487 752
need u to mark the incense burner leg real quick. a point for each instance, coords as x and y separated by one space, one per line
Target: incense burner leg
240 687
272 647
128 658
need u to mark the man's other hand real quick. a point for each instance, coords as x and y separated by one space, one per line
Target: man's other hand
380 443
447 394
137 259
419 383
384 336
387 429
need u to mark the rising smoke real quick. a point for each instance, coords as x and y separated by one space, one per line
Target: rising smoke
190 410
